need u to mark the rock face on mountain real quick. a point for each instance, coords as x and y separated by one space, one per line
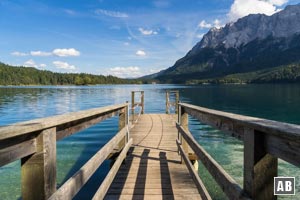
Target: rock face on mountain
254 42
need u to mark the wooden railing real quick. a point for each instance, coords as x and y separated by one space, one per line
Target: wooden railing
170 104
264 142
135 105
34 142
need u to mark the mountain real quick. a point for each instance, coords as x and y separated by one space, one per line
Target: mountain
12 75
255 43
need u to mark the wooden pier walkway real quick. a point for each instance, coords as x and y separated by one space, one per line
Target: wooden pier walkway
153 168
152 154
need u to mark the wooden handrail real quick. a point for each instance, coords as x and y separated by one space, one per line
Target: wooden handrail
134 105
200 186
264 142
32 126
101 192
169 104
34 142
281 139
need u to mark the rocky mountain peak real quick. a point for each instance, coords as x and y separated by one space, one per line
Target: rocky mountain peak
254 26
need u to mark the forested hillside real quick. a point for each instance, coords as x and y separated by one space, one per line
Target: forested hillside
10 75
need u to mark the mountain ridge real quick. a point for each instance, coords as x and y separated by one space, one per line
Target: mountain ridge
253 43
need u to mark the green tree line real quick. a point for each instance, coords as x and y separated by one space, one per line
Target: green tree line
11 75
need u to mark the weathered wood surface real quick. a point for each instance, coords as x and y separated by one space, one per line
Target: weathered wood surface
282 140
39 169
228 184
112 173
70 188
59 121
194 173
153 168
260 168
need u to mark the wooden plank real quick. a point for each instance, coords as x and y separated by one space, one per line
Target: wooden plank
153 197
200 186
17 151
112 173
22 128
76 126
228 184
70 188
39 169
150 168
260 168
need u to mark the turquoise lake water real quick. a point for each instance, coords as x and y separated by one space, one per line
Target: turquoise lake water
276 102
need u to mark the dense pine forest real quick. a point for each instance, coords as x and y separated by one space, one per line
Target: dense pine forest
10 75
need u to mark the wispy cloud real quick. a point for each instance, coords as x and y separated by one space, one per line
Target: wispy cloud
43 65
204 24
200 36
140 53
40 53
17 53
111 13
147 32
30 63
64 65
66 52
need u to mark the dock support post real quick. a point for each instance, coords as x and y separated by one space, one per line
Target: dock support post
122 124
39 169
183 121
132 105
167 102
176 103
142 102
260 168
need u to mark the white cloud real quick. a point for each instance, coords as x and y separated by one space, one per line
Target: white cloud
125 72
111 13
66 52
278 2
40 53
17 53
200 36
43 65
30 63
126 43
147 32
217 23
203 24
241 8
140 53
63 65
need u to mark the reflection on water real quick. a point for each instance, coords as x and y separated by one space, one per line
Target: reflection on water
278 102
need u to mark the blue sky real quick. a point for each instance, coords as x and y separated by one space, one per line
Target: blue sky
126 38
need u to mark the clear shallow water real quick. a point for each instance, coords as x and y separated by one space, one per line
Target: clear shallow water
277 102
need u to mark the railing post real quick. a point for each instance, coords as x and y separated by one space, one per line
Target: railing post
142 102
132 105
122 124
167 102
184 122
176 103
39 169
260 168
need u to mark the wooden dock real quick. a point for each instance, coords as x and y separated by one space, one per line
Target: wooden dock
153 168
152 154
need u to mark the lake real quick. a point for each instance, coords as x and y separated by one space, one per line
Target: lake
276 102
